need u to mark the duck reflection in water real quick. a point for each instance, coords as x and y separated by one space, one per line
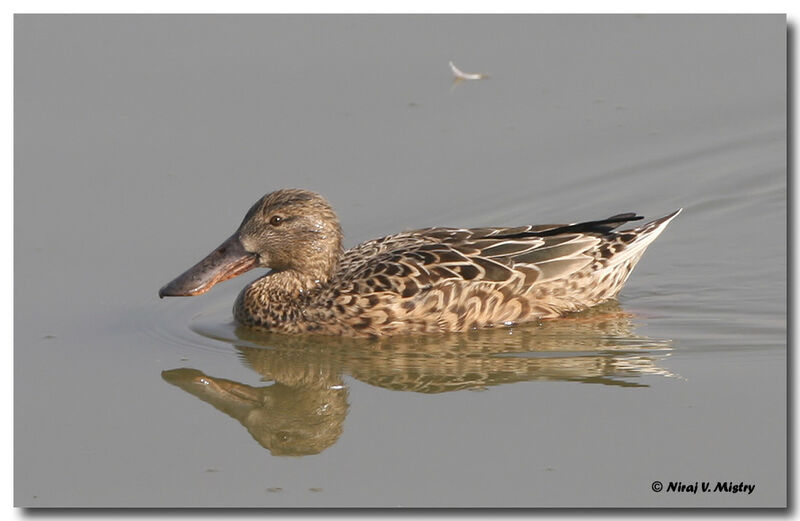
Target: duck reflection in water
288 419
304 410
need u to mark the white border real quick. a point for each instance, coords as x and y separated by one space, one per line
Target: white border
250 6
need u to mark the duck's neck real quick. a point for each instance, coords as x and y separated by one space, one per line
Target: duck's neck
276 301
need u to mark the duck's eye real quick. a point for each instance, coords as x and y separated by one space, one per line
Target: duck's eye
276 220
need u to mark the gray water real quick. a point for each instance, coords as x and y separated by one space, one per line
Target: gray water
141 141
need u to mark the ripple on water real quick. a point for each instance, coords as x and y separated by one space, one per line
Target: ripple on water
173 323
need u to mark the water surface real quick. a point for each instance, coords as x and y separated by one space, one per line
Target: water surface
142 140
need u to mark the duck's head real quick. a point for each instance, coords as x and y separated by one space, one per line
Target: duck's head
285 230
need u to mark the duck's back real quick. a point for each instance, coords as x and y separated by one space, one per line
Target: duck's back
449 279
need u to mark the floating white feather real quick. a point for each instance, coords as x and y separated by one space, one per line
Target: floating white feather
460 75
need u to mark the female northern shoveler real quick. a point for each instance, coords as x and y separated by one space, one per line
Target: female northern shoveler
430 280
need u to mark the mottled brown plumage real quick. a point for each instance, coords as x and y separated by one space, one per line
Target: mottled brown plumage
421 281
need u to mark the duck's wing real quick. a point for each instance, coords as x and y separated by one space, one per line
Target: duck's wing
601 227
414 261
533 256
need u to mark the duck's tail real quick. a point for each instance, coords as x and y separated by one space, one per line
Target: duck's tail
654 228
636 240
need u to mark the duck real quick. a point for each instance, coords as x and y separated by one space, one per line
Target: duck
430 280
